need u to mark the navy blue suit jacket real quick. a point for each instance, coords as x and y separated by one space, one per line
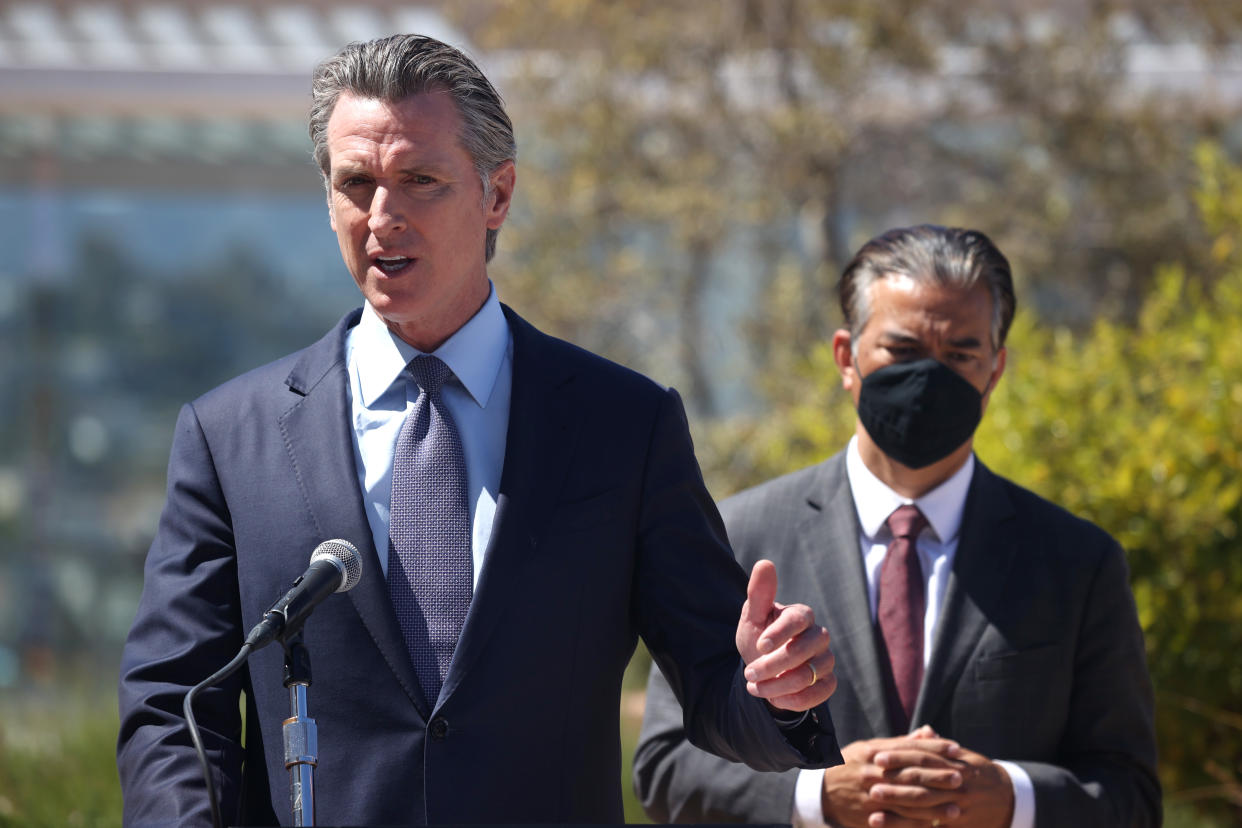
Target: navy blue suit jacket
604 531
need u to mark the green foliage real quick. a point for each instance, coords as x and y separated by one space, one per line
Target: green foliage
57 764
633 701
1137 428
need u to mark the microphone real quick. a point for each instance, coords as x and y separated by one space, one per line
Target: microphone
335 566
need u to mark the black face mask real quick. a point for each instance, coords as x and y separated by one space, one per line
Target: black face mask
918 412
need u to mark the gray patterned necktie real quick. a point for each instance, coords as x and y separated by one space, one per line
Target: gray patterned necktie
430 568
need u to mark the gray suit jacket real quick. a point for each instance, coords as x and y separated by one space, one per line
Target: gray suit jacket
1038 656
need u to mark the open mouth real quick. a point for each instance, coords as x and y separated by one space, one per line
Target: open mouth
392 264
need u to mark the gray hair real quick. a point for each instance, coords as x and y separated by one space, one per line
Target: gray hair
393 68
949 256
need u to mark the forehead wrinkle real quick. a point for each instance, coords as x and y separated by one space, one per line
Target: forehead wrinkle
926 325
389 134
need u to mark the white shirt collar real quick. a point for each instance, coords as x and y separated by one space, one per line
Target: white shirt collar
875 501
474 353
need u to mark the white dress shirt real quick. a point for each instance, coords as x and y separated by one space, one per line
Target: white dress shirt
937 547
480 355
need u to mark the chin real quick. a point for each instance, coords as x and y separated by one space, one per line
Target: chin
393 315
390 304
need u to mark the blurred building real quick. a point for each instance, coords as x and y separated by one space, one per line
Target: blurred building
155 180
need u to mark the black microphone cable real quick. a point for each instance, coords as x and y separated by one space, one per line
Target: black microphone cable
283 620
188 709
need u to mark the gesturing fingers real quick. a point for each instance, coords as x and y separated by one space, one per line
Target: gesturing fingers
792 640
785 652
806 684
787 625
760 595
811 696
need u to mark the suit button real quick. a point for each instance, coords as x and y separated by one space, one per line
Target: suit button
438 728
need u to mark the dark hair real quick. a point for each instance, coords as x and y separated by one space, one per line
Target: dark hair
948 255
393 68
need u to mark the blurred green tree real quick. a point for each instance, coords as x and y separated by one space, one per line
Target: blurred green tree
697 176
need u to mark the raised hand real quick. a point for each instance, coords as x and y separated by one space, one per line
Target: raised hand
787 659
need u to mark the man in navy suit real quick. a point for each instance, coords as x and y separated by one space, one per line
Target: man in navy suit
585 524
1022 698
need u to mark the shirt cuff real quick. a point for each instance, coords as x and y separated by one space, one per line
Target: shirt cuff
809 800
1023 795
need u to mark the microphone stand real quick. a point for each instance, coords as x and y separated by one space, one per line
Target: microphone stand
301 738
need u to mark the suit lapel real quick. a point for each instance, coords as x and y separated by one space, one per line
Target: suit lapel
542 433
832 565
320 443
975 592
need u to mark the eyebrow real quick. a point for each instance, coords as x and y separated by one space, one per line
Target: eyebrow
339 170
898 336
426 167
964 342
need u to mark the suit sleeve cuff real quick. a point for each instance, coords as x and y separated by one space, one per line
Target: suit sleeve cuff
787 719
1023 795
808 809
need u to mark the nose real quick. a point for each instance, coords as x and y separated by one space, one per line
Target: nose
387 214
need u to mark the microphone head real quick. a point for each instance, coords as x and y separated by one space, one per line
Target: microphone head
345 556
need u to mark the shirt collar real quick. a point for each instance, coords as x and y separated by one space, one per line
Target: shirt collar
474 353
875 501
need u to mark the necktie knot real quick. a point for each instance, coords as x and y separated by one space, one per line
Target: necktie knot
430 372
906 521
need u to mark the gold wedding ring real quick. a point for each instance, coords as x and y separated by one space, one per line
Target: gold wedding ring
814 673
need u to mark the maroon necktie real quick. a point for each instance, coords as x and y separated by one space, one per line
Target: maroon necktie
900 610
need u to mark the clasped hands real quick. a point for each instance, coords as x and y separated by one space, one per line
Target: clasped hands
902 782
786 653
916 780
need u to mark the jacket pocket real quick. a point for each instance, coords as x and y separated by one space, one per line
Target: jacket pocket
1031 662
594 510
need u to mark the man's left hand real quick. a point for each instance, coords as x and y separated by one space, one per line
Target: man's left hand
984 799
786 654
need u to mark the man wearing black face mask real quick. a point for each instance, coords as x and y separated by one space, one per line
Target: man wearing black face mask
990 664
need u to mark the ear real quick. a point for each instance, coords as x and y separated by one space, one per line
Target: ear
844 358
504 179
996 375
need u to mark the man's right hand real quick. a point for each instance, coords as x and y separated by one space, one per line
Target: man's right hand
922 761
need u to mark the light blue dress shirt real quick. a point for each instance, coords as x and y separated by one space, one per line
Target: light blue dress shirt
480 354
